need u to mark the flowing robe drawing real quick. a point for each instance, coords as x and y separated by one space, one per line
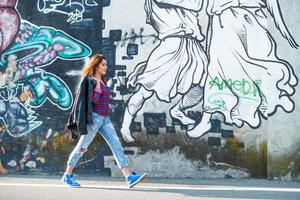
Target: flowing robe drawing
246 79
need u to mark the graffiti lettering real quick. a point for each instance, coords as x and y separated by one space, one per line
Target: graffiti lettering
132 37
75 17
74 9
243 86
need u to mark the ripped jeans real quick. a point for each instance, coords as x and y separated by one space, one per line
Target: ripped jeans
108 132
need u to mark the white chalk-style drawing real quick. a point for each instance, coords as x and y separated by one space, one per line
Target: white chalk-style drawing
246 80
178 65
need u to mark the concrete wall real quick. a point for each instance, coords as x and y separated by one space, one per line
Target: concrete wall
195 96
283 137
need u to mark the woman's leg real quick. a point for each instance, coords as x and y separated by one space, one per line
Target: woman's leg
81 147
79 150
109 133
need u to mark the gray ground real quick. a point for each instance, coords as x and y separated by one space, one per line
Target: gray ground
50 187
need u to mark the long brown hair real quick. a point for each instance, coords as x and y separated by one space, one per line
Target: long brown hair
90 67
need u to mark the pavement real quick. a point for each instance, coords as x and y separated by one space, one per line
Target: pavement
48 187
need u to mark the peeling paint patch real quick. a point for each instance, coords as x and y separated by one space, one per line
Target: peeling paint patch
232 156
172 164
285 167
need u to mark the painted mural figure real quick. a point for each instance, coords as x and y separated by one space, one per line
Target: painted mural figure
90 114
24 50
246 80
178 65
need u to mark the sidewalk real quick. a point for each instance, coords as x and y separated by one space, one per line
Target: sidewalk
190 181
32 187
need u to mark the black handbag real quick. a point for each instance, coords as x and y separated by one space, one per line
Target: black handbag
72 125
75 134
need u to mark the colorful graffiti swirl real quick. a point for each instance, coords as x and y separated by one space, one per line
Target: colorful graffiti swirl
28 49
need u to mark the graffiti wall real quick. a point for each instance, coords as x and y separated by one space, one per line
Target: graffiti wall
200 88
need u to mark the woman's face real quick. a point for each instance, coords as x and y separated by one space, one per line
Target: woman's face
102 67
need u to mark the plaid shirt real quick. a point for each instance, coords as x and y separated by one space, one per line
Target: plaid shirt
101 101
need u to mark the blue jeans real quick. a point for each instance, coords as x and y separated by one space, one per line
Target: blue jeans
108 132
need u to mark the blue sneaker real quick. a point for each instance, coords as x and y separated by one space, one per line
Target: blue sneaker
69 180
134 179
